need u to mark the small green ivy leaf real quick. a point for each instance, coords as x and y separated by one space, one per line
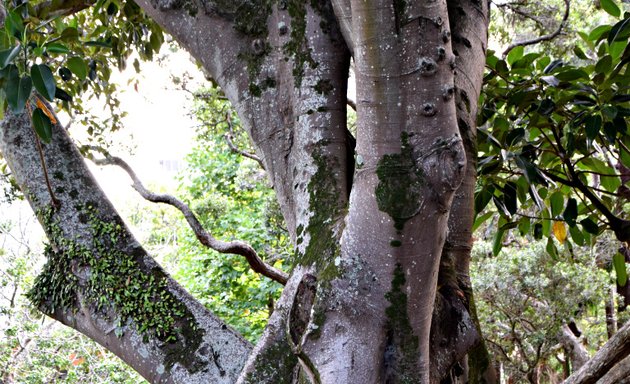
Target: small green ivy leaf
42 125
610 7
7 56
43 81
619 262
78 67
18 90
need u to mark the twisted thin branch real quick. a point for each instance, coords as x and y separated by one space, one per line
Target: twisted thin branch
550 36
232 247
229 138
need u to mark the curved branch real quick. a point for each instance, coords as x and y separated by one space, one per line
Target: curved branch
547 37
233 247
230 135
612 353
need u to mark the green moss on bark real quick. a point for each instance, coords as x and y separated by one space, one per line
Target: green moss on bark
402 349
401 180
114 282
275 364
324 192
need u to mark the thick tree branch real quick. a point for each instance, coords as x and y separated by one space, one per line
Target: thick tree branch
234 247
547 37
614 351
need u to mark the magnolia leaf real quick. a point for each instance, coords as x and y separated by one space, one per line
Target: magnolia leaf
42 125
7 56
18 90
57 48
43 81
619 262
62 95
570 212
78 67
559 231
610 7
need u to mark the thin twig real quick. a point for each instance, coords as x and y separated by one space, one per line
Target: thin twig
229 138
232 247
547 37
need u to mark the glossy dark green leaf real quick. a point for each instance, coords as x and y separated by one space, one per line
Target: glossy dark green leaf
571 75
98 43
497 243
481 219
553 66
570 212
14 24
44 81
599 33
620 98
78 67
515 54
576 235
56 48
590 226
604 64
65 74
546 107
579 53
610 132
8 55
70 34
482 198
42 125
538 231
62 95
509 197
18 90
556 201
619 263
551 249
610 7
619 31
592 125
514 136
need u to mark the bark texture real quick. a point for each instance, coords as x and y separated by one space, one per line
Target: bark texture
368 220
613 352
100 281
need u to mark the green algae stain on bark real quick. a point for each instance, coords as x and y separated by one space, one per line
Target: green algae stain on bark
401 180
402 349
324 193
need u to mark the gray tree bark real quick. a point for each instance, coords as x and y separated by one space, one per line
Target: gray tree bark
369 223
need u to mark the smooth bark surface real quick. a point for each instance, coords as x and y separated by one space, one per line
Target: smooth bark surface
368 220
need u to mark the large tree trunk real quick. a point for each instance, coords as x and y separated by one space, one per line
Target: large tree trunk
359 305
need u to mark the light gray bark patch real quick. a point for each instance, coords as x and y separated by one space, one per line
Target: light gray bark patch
400 187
